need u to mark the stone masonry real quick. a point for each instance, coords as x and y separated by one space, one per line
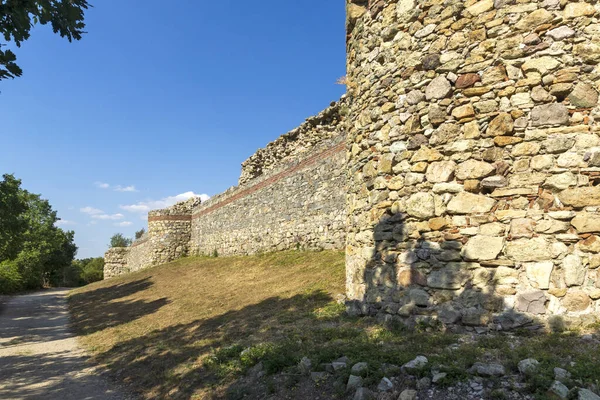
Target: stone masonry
474 161
469 191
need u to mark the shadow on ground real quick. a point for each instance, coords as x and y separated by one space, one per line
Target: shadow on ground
169 363
99 309
51 376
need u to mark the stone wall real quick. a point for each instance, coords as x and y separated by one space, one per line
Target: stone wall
139 255
473 161
115 262
300 204
294 145
167 239
292 195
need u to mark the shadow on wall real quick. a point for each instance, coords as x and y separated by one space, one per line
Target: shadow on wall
413 280
97 310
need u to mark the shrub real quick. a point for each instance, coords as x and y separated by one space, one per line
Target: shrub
93 271
10 279
140 233
118 240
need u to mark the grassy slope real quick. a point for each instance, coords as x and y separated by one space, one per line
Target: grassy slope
192 327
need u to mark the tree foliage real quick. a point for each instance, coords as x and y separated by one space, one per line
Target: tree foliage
33 250
119 240
18 17
140 233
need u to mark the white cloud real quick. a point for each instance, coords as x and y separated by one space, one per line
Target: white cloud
131 188
102 185
145 206
64 222
111 217
124 223
91 210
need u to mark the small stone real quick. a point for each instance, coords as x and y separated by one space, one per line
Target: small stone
539 274
558 390
590 245
473 169
421 205
541 65
359 368
482 248
480 7
465 111
415 365
467 80
438 377
534 19
408 394
533 302
576 301
438 88
452 276
494 182
502 125
561 374
540 95
305 365
574 270
580 197
431 62
415 97
586 223
528 366
354 382
487 369
584 95
578 9
426 31
550 114
585 394
468 203
560 33
385 385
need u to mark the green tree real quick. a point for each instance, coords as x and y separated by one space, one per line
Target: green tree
140 233
18 17
118 240
33 250
12 221
93 270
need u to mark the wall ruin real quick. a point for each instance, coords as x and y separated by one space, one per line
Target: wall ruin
473 159
471 176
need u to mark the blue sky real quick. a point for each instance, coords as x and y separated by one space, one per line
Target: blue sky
160 99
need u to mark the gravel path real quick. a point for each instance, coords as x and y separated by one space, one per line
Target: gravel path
40 358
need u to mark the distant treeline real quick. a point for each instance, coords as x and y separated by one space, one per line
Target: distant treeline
34 252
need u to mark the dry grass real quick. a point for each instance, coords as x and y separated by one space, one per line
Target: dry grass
192 328
156 326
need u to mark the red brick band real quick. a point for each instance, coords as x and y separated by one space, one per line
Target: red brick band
273 179
170 218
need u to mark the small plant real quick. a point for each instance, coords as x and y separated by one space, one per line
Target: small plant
215 253
140 233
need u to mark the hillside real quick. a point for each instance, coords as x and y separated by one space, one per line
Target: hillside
238 327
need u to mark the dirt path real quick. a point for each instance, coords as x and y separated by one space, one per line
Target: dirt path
40 358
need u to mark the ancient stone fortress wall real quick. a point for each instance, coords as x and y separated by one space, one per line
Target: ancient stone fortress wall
115 262
474 161
292 195
167 239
